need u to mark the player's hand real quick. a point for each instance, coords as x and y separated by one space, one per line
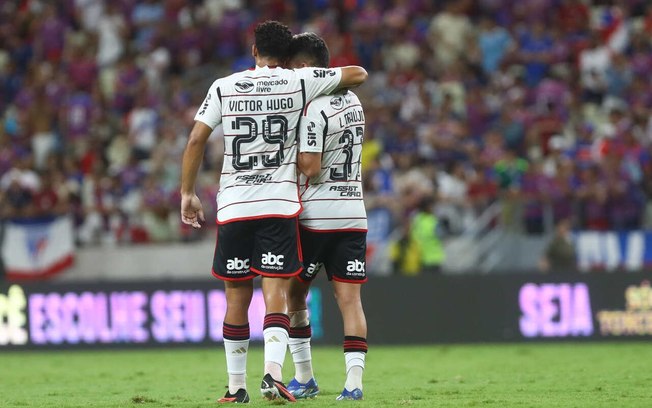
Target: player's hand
191 210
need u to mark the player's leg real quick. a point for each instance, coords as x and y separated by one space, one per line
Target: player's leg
276 324
355 336
236 337
277 257
231 264
304 385
348 272
300 331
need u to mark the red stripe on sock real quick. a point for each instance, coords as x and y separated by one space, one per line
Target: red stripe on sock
301 332
355 345
233 332
277 320
236 332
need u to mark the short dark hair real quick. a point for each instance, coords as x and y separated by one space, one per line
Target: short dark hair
272 39
312 47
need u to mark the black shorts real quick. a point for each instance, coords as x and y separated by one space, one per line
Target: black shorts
267 246
343 254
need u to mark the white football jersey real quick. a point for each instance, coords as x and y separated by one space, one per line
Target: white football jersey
260 110
332 200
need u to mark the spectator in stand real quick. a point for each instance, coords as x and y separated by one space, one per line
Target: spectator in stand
593 63
23 174
452 200
16 200
559 255
511 129
41 125
49 40
159 219
509 172
544 125
562 193
482 189
536 191
573 16
618 76
46 200
425 233
143 123
592 196
146 17
78 109
451 32
495 44
535 52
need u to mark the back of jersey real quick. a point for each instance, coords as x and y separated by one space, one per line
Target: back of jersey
260 110
334 126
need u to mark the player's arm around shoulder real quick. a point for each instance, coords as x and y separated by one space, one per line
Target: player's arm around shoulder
352 76
325 81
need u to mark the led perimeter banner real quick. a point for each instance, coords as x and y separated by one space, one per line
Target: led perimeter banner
399 310
101 314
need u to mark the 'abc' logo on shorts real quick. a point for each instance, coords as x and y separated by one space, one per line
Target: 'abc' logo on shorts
237 264
272 260
355 266
313 268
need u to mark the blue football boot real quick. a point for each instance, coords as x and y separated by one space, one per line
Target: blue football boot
354 395
307 390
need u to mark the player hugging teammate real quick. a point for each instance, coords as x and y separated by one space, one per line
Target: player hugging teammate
263 114
333 224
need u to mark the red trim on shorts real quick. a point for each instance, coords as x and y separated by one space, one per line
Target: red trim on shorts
299 247
335 278
276 275
244 278
259 217
305 282
217 233
334 230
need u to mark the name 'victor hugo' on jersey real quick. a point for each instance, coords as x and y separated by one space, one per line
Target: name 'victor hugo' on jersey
279 104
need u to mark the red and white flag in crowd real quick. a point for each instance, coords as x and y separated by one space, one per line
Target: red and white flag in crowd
34 249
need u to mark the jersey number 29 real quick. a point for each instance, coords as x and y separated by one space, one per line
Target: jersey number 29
275 138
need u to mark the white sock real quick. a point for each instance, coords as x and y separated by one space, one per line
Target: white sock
300 349
236 363
300 346
276 344
354 361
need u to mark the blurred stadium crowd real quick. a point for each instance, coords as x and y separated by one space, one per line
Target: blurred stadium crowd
542 105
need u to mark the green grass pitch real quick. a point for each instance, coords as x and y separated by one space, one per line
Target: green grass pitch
506 375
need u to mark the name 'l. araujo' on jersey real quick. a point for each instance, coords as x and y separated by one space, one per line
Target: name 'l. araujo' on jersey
260 111
334 126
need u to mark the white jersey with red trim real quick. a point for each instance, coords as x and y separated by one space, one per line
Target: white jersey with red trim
334 126
260 110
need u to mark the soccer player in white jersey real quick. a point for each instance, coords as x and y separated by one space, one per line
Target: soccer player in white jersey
333 224
258 199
